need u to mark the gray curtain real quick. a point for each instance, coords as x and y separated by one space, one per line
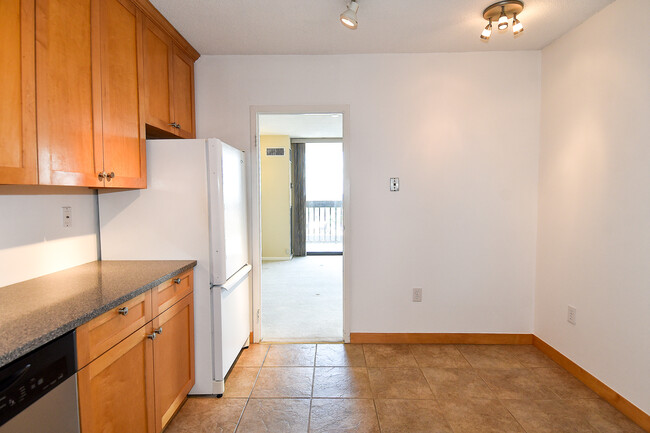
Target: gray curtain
298 201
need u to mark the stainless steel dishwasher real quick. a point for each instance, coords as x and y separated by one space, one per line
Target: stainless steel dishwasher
38 392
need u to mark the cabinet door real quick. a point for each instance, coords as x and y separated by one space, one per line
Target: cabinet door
67 93
173 358
157 77
116 390
183 88
122 87
17 110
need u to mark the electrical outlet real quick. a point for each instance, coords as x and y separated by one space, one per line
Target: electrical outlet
67 216
417 295
394 184
571 316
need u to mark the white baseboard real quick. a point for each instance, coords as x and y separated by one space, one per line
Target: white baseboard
276 259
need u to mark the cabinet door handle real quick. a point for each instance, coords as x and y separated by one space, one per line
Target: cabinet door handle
152 336
123 311
110 176
177 280
102 175
178 125
158 331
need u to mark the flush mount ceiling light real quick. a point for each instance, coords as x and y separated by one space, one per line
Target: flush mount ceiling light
501 12
349 17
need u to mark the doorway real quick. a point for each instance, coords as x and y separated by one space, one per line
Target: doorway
298 294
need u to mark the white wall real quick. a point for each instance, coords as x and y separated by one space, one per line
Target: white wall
33 241
460 130
594 198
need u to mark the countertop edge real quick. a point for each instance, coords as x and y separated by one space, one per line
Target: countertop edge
31 345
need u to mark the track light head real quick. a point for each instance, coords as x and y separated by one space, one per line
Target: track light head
503 20
517 27
349 17
487 31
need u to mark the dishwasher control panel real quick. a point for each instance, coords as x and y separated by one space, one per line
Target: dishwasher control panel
29 378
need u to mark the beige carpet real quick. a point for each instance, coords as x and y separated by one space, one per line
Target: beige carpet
302 299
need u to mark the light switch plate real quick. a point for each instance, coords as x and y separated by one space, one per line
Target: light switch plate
571 315
394 183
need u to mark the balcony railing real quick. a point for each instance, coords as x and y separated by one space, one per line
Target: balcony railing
324 225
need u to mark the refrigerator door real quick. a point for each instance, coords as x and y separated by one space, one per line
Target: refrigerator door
228 211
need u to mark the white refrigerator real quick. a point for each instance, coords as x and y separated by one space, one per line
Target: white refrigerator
194 207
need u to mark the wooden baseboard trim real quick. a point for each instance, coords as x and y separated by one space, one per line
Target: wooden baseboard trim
604 391
428 338
250 339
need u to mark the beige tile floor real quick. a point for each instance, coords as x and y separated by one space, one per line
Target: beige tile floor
399 388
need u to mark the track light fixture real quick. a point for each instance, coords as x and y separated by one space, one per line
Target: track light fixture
349 17
501 12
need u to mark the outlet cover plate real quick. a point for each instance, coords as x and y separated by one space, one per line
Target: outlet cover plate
417 295
67 216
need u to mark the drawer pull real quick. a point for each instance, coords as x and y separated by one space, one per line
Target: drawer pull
158 331
123 311
152 336
177 280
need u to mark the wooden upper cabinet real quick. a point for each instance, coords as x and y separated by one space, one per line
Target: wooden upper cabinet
159 109
169 84
18 160
121 90
68 102
79 82
183 91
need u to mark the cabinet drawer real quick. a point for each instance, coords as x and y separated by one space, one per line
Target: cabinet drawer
100 334
171 291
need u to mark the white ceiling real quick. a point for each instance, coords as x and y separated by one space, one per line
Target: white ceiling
322 125
385 26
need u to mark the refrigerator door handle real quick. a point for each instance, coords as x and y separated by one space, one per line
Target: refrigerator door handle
237 277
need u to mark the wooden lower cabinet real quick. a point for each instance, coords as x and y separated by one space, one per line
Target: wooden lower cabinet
116 390
173 359
138 385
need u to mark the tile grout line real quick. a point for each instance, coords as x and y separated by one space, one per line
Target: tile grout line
372 392
241 415
311 397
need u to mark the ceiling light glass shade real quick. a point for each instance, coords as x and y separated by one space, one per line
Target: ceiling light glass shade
487 31
503 21
349 17
517 27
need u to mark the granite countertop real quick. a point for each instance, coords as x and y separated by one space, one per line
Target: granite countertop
37 311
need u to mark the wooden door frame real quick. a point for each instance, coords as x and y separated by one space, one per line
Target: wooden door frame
256 209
